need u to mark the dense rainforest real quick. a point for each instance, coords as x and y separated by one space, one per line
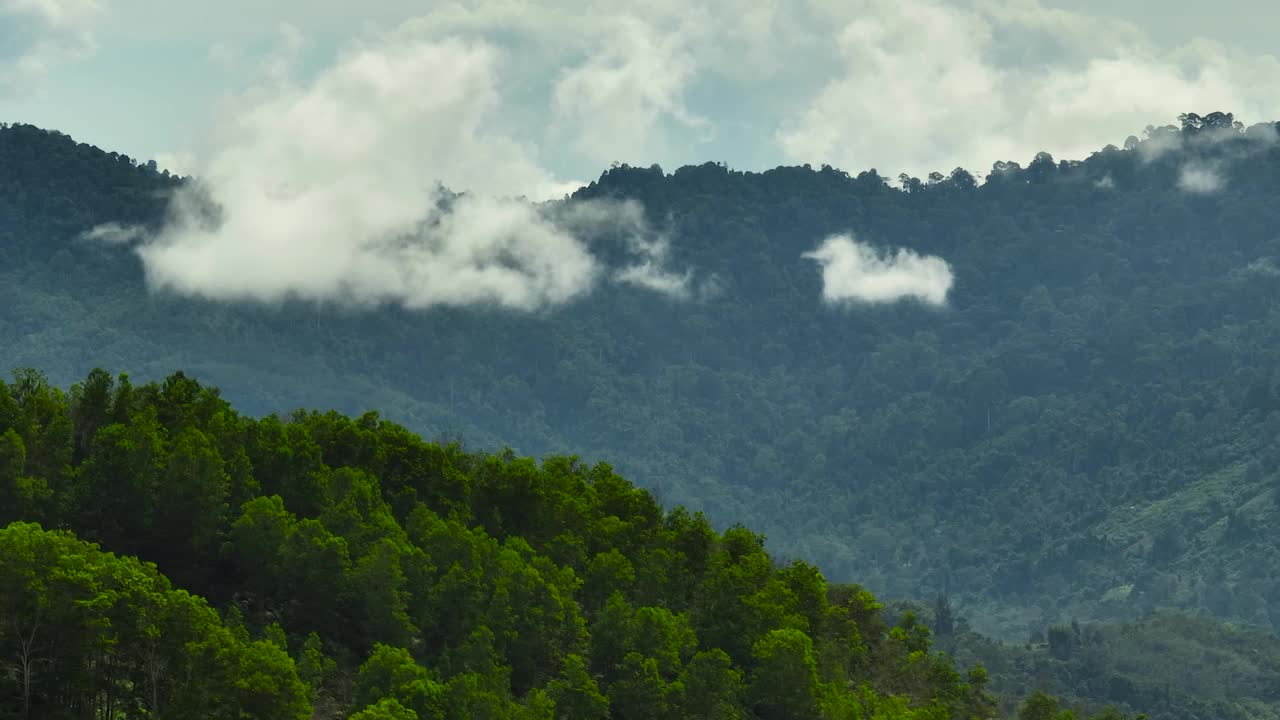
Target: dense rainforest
1084 432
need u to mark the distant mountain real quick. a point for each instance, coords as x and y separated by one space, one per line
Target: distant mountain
1166 664
1085 429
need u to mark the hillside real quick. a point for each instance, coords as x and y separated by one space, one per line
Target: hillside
1084 430
361 572
358 569
1166 664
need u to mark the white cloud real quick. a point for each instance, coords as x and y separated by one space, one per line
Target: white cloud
178 163
610 106
651 271
649 275
602 85
649 250
114 233
281 61
910 85
1166 139
330 190
1261 266
1160 141
921 85
854 272
36 35
1200 179
481 251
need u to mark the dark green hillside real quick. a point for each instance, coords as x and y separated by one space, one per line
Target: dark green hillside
1086 430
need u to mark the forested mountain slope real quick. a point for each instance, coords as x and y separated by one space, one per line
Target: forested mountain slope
1167 664
1084 430
362 572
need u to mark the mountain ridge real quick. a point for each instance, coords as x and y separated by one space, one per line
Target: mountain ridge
1106 344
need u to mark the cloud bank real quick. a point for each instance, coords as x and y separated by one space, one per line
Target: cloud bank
36 35
854 272
897 85
331 190
329 185
611 104
921 85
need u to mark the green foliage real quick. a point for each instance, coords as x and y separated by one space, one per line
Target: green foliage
386 709
417 600
784 684
576 694
713 688
90 634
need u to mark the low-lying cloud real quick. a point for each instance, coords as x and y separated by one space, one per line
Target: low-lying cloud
333 190
1227 143
854 272
649 251
650 274
1200 179
114 233
1262 266
1213 149
480 251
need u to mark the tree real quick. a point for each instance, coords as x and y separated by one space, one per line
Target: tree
316 571
257 547
315 668
639 692
576 695
712 687
1039 706
379 582
1062 642
784 684
153 648
191 506
943 616
91 410
392 673
119 482
13 461
386 709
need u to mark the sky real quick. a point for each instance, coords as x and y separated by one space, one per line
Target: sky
911 85
325 129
